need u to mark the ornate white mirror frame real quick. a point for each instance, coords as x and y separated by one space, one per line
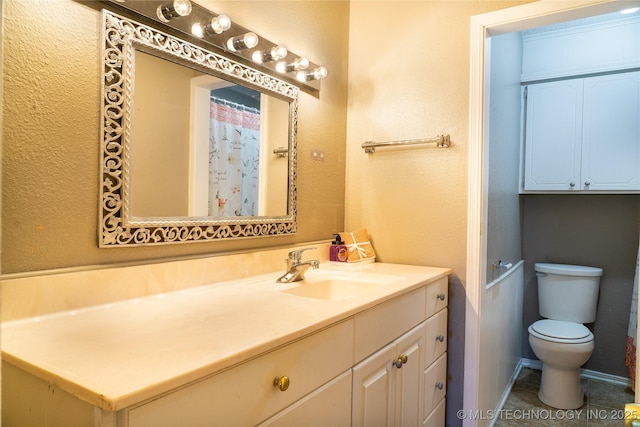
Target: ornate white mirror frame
117 227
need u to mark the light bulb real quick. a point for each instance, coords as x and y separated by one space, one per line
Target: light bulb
197 30
167 12
246 41
278 52
320 73
298 64
316 74
301 76
281 67
274 54
217 25
220 23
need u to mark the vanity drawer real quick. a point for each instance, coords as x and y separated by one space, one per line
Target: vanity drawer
437 416
436 337
378 326
330 405
245 395
437 296
435 383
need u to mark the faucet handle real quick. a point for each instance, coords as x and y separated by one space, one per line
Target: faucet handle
297 254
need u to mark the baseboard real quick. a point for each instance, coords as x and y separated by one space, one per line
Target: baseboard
584 373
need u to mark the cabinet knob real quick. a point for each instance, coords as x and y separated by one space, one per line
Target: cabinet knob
401 360
440 338
572 184
441 297
281 382
587 183
439 385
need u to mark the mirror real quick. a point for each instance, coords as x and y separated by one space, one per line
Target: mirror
188 143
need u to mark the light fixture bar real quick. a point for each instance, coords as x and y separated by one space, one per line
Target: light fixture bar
209 29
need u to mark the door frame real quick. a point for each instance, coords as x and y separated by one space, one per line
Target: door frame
530 15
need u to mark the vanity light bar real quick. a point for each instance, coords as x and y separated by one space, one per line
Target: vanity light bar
218 31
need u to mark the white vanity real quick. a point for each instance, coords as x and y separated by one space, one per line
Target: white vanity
359 346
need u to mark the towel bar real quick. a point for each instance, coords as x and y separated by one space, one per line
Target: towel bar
442 141
281 152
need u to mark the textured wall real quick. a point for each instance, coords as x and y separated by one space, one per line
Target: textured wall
51 101
409 78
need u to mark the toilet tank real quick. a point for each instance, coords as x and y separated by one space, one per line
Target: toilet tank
568 292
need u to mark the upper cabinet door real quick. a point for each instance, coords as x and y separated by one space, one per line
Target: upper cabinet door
611 132
553 135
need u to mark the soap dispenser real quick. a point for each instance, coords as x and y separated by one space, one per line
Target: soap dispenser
338 252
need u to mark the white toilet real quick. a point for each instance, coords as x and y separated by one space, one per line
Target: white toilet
568 296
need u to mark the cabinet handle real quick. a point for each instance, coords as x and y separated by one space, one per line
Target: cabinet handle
440 338
401 360
281 382
439 385
441 297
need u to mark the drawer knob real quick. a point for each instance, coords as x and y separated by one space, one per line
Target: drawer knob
440 338
281 382
439 385
401 360
441 297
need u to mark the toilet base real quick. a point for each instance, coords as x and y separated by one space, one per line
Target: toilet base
561 388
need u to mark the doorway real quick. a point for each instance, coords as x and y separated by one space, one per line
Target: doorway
504 21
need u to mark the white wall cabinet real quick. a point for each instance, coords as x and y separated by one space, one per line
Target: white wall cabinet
583 135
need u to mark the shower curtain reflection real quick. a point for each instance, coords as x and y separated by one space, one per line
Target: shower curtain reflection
234 137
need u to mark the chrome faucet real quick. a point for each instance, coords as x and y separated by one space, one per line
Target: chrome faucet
296 268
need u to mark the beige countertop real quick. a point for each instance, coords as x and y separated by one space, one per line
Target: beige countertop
116 355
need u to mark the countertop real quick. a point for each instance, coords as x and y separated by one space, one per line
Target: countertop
117 355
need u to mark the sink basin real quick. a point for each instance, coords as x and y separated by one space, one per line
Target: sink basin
327 286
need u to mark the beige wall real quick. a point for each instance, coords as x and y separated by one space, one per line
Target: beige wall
411 81
51 103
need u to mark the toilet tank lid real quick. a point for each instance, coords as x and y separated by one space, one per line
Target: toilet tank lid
568 270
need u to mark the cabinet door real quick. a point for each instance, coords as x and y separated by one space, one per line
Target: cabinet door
388 386
374 389
611 132
410 378
553 135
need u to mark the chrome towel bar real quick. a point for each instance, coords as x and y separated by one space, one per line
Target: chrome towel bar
441 141
281 152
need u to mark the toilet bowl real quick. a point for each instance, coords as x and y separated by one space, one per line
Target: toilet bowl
562 347
568 298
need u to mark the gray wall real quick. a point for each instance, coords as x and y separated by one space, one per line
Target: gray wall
594 230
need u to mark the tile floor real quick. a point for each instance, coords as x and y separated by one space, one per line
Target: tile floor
603 407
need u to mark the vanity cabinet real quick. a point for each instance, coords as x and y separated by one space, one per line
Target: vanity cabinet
376 362
583 135
403 382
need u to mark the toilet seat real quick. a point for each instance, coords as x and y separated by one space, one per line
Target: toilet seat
561 331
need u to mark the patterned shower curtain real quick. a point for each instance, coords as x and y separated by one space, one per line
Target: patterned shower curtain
234 136
632 339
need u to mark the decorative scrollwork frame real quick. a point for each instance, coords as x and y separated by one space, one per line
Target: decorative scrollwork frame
117 228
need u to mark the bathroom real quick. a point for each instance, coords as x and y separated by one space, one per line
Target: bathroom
414 202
